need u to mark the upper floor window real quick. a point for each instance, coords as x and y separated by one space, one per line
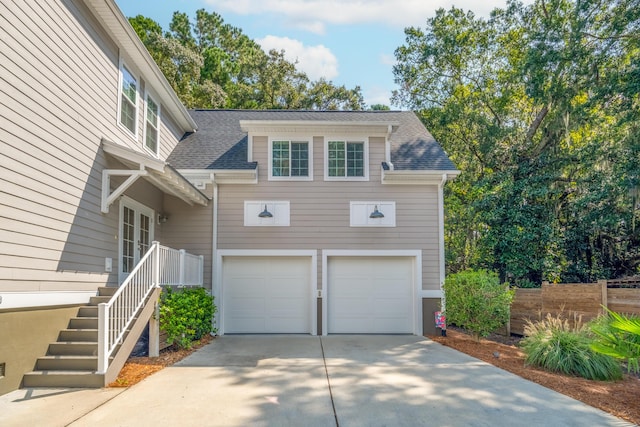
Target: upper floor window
290 159
346 160
152 125
128 100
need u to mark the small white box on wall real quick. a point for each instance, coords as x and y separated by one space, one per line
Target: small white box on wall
256 213
373 214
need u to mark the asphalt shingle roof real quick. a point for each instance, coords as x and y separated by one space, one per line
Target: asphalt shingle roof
219 142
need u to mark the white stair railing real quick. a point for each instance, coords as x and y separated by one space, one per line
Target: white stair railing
159 266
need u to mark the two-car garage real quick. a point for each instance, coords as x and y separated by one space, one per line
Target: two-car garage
267 292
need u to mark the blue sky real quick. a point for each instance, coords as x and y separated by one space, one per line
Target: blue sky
350 42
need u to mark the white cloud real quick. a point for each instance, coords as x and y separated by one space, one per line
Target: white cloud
386 59
377 95
314 15
316 61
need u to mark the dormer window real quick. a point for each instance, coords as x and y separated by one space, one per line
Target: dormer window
290 159
346 160
128 116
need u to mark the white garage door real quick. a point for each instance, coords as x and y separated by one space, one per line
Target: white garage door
370 295
266 294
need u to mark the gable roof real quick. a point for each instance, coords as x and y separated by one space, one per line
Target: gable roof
220 142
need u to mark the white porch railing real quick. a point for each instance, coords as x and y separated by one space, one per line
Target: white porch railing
159 266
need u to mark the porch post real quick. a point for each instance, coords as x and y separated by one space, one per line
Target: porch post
183 255
154 332
103 338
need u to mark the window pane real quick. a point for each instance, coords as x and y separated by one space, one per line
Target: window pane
336 158
299 159
280 155
152 138
129 100
355 159
151 131
128 114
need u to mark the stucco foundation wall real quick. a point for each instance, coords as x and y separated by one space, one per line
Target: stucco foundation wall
25 335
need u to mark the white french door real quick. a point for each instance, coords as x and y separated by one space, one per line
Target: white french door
136 235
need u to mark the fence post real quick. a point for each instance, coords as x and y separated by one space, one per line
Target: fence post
183 255
605 302
201 272
156 264
103 338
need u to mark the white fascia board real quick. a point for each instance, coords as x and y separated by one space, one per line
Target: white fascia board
417 177
221 176
23 300
370 128
117 26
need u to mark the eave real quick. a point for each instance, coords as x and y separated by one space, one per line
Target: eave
118 28
430 177
157 172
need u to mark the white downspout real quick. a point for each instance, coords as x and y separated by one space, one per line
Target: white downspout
215 290
441 236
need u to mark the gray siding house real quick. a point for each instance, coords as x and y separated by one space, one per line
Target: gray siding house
353 238
307 222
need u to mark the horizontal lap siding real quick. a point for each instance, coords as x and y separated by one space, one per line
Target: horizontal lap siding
189 228
320 213
58 99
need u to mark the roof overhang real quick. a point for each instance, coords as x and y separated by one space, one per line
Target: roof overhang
157 172
221 176
431 177
118 28
345 127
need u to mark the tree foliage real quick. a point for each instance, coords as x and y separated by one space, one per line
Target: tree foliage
538 106
211 64
477 301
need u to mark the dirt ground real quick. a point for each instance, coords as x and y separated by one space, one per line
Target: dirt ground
620 398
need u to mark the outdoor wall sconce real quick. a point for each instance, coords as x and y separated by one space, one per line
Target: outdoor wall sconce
265 213
162 218
376 214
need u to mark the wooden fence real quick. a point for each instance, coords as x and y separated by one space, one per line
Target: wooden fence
573 300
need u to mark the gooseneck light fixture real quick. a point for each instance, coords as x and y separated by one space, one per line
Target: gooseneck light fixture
376 214
265 213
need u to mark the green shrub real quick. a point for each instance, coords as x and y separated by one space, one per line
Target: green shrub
618 336
477 301
556 346
186 315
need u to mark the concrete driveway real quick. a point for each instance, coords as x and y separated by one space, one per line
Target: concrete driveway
312 381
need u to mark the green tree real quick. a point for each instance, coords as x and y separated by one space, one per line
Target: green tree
538 107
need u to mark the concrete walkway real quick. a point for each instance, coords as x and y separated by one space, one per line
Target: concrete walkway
312 381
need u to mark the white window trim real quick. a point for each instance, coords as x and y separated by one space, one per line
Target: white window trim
122 65
365 141
148 94
306 139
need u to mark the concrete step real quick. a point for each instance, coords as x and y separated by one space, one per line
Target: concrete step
98 300
107 291
77 335
88 311
83 323
74 379
67 363
70 348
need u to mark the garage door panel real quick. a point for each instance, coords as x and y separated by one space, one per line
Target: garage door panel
266 294
370 295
